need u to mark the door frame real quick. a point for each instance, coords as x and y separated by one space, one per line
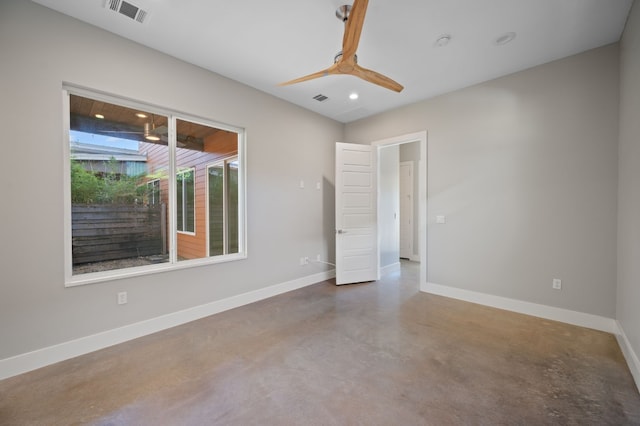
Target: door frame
420 137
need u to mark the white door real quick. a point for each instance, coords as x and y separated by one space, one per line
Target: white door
356 214
406 209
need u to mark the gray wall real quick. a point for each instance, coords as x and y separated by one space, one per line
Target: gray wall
628 313
389 205
40 50
524 168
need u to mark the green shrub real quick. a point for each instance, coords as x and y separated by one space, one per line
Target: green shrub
112 188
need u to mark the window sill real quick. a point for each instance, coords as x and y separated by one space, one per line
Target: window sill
136 271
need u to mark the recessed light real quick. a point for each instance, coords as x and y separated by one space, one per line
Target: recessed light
100 116
443 40
141 115
505 38
353 96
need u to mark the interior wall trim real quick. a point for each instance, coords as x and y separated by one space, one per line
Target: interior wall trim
29 361
629 354
581 319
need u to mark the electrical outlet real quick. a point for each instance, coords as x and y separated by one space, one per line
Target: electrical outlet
318 258
306 260
557 284
122 298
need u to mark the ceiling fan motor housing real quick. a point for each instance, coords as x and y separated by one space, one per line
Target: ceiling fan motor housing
342 13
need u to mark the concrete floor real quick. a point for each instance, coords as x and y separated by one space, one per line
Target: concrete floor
367 354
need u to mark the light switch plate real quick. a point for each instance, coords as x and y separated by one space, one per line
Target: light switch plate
441 219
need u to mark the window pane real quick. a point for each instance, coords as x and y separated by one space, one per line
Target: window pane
180 202
153 192
232 226
185 200
205 150
216 210
118 175
189 202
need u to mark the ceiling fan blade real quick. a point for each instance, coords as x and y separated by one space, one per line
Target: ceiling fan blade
160 130
353 28
323 73
376 78
345 61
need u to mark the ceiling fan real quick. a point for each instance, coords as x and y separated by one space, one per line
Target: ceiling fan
153 133
149 131
346 61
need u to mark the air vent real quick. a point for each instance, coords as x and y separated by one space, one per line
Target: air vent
320 98
127 9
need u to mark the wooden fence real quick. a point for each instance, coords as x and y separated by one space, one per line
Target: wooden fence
110 232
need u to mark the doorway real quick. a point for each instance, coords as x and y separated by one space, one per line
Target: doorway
420 201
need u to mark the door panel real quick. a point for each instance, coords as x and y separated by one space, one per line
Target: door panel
356 214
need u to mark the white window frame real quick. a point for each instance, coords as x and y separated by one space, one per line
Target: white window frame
173 263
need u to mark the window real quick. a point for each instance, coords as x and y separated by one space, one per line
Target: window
148 189
153 192
185 200
223 207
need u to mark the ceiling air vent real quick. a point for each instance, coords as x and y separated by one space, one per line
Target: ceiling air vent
320 98
127 9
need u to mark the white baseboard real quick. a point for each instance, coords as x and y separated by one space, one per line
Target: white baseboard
629 354
42 357
543 311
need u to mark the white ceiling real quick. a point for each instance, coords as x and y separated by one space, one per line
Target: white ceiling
262 43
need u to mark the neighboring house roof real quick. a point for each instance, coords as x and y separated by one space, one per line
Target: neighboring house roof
85 151
95 158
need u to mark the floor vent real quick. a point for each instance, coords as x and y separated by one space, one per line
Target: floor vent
320 98
127 9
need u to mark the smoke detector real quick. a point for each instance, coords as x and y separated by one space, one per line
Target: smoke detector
127 9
